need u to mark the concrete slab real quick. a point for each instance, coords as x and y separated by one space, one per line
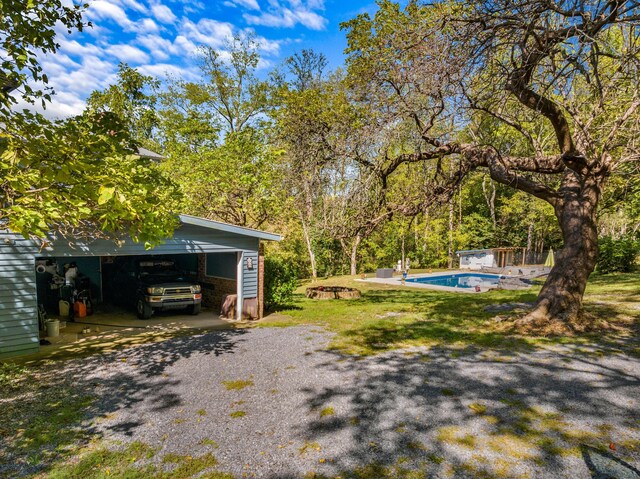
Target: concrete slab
110 330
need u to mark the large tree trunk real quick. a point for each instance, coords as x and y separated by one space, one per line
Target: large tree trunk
560 299
352 252
354 255
312 255
528 257
490 198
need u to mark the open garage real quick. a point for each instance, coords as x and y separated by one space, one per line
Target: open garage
203 264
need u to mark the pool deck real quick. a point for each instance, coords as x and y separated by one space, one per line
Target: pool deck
397 281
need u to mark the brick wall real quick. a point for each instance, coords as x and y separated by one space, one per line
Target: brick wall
213 289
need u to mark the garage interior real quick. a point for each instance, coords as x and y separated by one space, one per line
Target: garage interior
97 280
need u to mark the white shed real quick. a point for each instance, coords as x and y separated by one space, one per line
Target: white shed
476 258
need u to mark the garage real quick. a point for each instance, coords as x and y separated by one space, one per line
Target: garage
201 265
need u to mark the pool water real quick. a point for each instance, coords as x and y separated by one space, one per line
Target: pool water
460 280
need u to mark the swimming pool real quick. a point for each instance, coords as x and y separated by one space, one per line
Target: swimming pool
459 280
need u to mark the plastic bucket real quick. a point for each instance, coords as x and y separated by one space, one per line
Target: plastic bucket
53 328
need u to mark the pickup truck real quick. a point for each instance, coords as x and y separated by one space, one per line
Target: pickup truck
155 284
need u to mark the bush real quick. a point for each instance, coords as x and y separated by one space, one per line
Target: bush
617 255
280 280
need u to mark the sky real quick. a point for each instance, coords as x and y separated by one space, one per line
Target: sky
159 38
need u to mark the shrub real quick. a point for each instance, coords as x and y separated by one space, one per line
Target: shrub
280 280
617 254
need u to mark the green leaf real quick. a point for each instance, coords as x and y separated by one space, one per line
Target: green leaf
106 193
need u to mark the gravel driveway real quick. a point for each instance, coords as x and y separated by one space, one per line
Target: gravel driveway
277 404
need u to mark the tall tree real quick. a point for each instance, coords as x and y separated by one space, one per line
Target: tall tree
569 65
231 87
301 126
132 99
77 177
216 140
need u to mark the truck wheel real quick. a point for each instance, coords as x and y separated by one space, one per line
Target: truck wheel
144 309
195 309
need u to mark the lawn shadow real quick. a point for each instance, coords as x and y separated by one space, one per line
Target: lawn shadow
35 440
434 414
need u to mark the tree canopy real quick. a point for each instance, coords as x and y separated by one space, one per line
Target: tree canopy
80 177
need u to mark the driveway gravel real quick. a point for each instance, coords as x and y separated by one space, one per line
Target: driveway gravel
551 413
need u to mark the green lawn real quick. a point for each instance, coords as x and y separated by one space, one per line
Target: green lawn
388 317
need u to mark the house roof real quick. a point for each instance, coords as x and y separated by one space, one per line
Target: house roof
219 226
473 251
144 153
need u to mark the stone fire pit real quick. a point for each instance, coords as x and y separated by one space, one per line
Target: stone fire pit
332 292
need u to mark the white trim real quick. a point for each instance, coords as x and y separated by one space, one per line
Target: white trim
239 283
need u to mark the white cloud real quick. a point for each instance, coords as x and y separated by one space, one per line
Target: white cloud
184 46
128 54
288 19
250 4
133 4
164 70
207 32
94 73
159 47
162 48
163 14
146 25
102 10
72 47
269 47
64 104
297 12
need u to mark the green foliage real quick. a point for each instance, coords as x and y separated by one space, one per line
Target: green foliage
280 281
216 142
81 177
231 88
617 254
236 182
27 30
133 462
11 374
130 100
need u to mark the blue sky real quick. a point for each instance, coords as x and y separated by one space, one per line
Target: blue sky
159 37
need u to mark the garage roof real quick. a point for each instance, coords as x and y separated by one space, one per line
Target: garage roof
219 226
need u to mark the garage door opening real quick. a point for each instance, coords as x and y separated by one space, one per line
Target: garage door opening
116 282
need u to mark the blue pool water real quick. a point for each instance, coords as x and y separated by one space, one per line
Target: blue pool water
460 280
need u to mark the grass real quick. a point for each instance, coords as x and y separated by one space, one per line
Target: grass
237 414
134 462
328 411
478 408
11 375
389 317
237 385
309 446
52 427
